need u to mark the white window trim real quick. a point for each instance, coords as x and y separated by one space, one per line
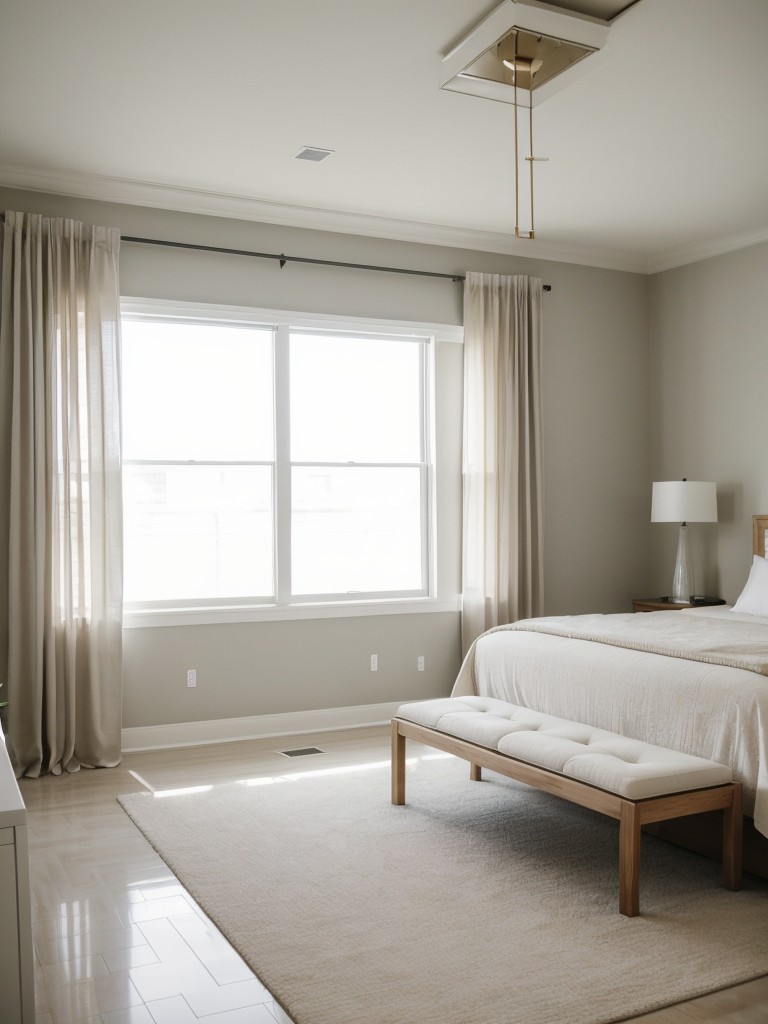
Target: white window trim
161 617
433 602
279 317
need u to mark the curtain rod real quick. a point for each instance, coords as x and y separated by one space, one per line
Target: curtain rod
283 259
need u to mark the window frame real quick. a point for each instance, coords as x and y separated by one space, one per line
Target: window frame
284 605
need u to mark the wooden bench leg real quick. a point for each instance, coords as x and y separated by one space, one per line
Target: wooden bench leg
631 814
398 766
629 860
732 840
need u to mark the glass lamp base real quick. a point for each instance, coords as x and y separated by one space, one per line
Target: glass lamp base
682 581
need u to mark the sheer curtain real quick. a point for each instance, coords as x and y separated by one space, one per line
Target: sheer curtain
502 578
60 493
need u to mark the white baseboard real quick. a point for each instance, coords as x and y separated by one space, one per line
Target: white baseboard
228 730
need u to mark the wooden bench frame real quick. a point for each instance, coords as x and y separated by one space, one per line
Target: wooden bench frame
631 814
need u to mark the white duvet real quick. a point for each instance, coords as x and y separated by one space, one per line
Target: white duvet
644 677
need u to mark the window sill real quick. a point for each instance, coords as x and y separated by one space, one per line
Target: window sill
149 618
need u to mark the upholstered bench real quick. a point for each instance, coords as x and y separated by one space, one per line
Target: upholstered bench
635 782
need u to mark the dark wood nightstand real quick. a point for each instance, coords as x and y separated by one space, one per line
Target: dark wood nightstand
665 604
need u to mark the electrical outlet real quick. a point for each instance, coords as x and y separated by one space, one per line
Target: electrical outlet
420 663
374 663
191 677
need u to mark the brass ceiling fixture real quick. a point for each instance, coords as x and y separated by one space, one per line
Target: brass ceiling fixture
520 54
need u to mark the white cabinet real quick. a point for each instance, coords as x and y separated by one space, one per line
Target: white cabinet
17 995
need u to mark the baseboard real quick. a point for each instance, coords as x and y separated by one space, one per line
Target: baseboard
229 730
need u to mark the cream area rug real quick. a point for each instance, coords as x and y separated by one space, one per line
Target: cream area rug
476 903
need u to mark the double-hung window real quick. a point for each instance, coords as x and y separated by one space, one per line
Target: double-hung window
271 462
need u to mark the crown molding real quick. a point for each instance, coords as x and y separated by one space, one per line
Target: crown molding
683 255
216 204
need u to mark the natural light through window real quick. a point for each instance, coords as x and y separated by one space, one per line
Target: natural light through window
271 465
357 456
198 452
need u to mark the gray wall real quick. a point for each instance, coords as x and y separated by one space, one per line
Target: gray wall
596 457
709 411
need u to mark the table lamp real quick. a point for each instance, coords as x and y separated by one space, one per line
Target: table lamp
683 501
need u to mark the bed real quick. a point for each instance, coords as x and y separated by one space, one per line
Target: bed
695 680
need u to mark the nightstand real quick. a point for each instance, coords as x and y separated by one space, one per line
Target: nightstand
664 604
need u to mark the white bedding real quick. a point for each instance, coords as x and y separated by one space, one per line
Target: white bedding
711 710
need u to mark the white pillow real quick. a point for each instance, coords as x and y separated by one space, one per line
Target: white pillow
753 599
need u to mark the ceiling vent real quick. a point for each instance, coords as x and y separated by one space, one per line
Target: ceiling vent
313 154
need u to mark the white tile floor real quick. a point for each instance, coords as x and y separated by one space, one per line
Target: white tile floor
119 941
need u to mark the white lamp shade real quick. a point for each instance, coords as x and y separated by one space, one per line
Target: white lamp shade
684 501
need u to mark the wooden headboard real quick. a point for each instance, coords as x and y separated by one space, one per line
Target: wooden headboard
759 531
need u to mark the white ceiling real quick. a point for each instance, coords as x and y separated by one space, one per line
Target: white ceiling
658 152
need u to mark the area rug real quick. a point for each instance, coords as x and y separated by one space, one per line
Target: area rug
475 903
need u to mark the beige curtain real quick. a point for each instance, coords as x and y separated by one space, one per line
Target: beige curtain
60 493
502 577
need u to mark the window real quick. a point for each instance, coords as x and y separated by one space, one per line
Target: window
273 464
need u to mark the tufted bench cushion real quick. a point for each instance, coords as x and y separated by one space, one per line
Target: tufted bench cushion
637 783
628 767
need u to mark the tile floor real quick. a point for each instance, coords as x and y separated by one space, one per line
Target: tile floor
119 941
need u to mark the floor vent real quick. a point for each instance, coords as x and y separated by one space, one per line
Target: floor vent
301 752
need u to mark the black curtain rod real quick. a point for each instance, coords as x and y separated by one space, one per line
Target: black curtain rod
283 259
